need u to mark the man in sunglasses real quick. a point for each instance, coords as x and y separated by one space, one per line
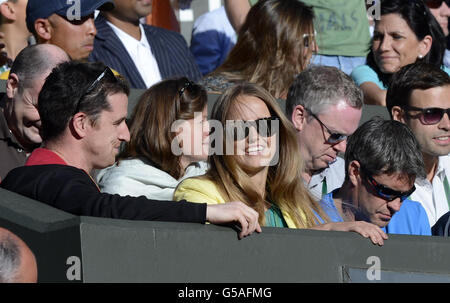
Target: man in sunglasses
83 108
441 11
325 106
382 161
419 96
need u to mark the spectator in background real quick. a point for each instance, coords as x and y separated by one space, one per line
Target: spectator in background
406 32
262 165
382 161
274 44
20 123
419 97
49 22
325 106
17 261
83 108
143 54
14 28
212 39
342 30
150 165
441 11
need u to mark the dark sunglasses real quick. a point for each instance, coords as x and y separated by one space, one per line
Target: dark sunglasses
334 137
387 193
436 3
106 73
265 127
430 115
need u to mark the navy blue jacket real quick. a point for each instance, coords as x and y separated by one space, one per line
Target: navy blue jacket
169 48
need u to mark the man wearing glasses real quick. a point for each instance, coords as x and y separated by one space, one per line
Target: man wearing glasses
382 161
325 106
83 108
419 96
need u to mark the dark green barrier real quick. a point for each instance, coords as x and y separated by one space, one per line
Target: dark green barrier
110 250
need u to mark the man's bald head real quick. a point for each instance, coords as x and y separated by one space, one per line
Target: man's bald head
17 261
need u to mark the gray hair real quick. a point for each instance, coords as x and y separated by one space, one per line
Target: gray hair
385 147
32 62
9 259
318 87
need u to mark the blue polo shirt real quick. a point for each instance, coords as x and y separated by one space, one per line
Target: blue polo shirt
411 219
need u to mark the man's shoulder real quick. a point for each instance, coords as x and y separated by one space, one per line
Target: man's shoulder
156 31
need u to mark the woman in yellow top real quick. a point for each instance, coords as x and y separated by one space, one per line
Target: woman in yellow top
255 158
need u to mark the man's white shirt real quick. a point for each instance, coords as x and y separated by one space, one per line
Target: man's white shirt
432 195
333 175
141 54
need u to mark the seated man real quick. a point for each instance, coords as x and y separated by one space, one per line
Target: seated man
17 261
382 161
19 121
419 97
57 22
143 54
83 108
325 106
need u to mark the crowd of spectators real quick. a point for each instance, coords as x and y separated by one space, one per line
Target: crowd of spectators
284 145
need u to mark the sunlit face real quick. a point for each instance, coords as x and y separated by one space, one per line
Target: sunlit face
317 152
194 138
395 44
108 132
254 152
434 139
374 208
76 38
131 10
442 13
20 10
26 122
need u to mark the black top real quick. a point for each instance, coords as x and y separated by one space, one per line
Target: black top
72 190
442 226
12 154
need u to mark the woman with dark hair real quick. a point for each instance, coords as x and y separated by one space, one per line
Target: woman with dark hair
260 164
274 44
405 33
169 141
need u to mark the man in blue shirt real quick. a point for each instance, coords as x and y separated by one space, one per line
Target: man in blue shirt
382 161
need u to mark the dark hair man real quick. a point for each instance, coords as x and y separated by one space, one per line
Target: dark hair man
83 108
19 120
325 106
382 161
419 97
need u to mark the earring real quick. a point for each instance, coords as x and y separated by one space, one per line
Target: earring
420 57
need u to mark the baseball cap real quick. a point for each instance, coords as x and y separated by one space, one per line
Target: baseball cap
43 9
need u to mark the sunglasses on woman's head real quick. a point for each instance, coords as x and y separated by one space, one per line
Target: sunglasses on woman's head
436 3
429 115
387 193
266 127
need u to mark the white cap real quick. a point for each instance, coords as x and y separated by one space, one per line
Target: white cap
1 1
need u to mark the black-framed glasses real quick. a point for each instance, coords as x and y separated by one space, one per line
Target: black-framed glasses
429 115
334 137
436 3
106 73
388 193
265 127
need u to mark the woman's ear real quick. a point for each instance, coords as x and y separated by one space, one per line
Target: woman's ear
425 46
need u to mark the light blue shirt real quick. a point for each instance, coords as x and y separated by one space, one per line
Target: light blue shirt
364 73
411 219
